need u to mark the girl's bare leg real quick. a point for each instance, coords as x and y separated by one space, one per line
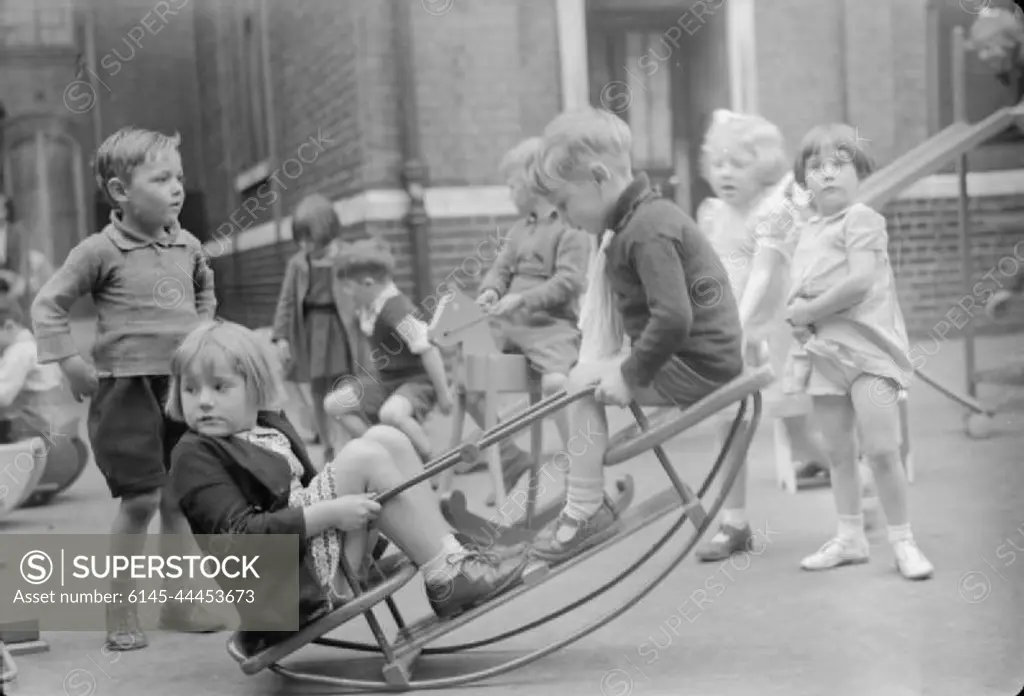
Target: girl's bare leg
412 519
876 405
879 425
734 534
331 434
835 419
455 577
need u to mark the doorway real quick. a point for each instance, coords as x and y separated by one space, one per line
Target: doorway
664 73
42 165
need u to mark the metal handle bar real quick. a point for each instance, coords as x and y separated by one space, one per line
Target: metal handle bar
541 409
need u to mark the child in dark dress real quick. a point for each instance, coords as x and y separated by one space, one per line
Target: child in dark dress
315 327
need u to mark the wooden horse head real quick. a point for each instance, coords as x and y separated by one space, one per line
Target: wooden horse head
459 322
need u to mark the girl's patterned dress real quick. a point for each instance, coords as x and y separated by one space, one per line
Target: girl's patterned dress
324 550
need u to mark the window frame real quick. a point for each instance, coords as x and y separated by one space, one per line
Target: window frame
35 8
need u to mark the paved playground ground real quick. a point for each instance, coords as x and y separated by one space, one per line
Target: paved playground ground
754 625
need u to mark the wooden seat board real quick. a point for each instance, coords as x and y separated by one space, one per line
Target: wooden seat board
627 443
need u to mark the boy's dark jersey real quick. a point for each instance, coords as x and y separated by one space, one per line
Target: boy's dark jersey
389 350
671 290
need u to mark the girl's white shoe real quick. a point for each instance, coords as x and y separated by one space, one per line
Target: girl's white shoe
911 563
836 552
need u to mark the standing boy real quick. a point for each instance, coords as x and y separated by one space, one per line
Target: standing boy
151 284
659 278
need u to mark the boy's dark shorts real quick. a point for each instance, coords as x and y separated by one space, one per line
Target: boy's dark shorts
372 393
131 437
677 384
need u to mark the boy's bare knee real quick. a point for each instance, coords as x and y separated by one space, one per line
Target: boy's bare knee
394 411
141 508
342 401
550 383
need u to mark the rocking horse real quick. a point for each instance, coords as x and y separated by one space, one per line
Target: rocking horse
482 371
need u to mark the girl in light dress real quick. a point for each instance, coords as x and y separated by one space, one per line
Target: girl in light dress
748 222
843 309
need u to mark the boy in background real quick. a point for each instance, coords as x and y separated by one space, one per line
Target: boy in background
408 377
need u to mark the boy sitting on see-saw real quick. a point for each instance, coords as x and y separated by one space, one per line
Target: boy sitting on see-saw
656 279
532 291
409 374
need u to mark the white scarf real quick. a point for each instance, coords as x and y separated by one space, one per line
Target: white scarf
603 333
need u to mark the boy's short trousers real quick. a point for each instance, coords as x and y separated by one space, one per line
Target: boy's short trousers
372 394
551 349
675 384
131 437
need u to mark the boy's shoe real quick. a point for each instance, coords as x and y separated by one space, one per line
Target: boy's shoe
837 552
728 541
481 576
189 618
566 536
911 563
123 630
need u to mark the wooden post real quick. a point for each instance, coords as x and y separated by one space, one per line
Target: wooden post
966 264
414 169
571 23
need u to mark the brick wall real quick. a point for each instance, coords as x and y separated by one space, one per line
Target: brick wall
486 76
924 248
859 61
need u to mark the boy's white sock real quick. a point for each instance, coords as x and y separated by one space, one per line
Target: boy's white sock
442 568
851 527
583 497
899 532
737 519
